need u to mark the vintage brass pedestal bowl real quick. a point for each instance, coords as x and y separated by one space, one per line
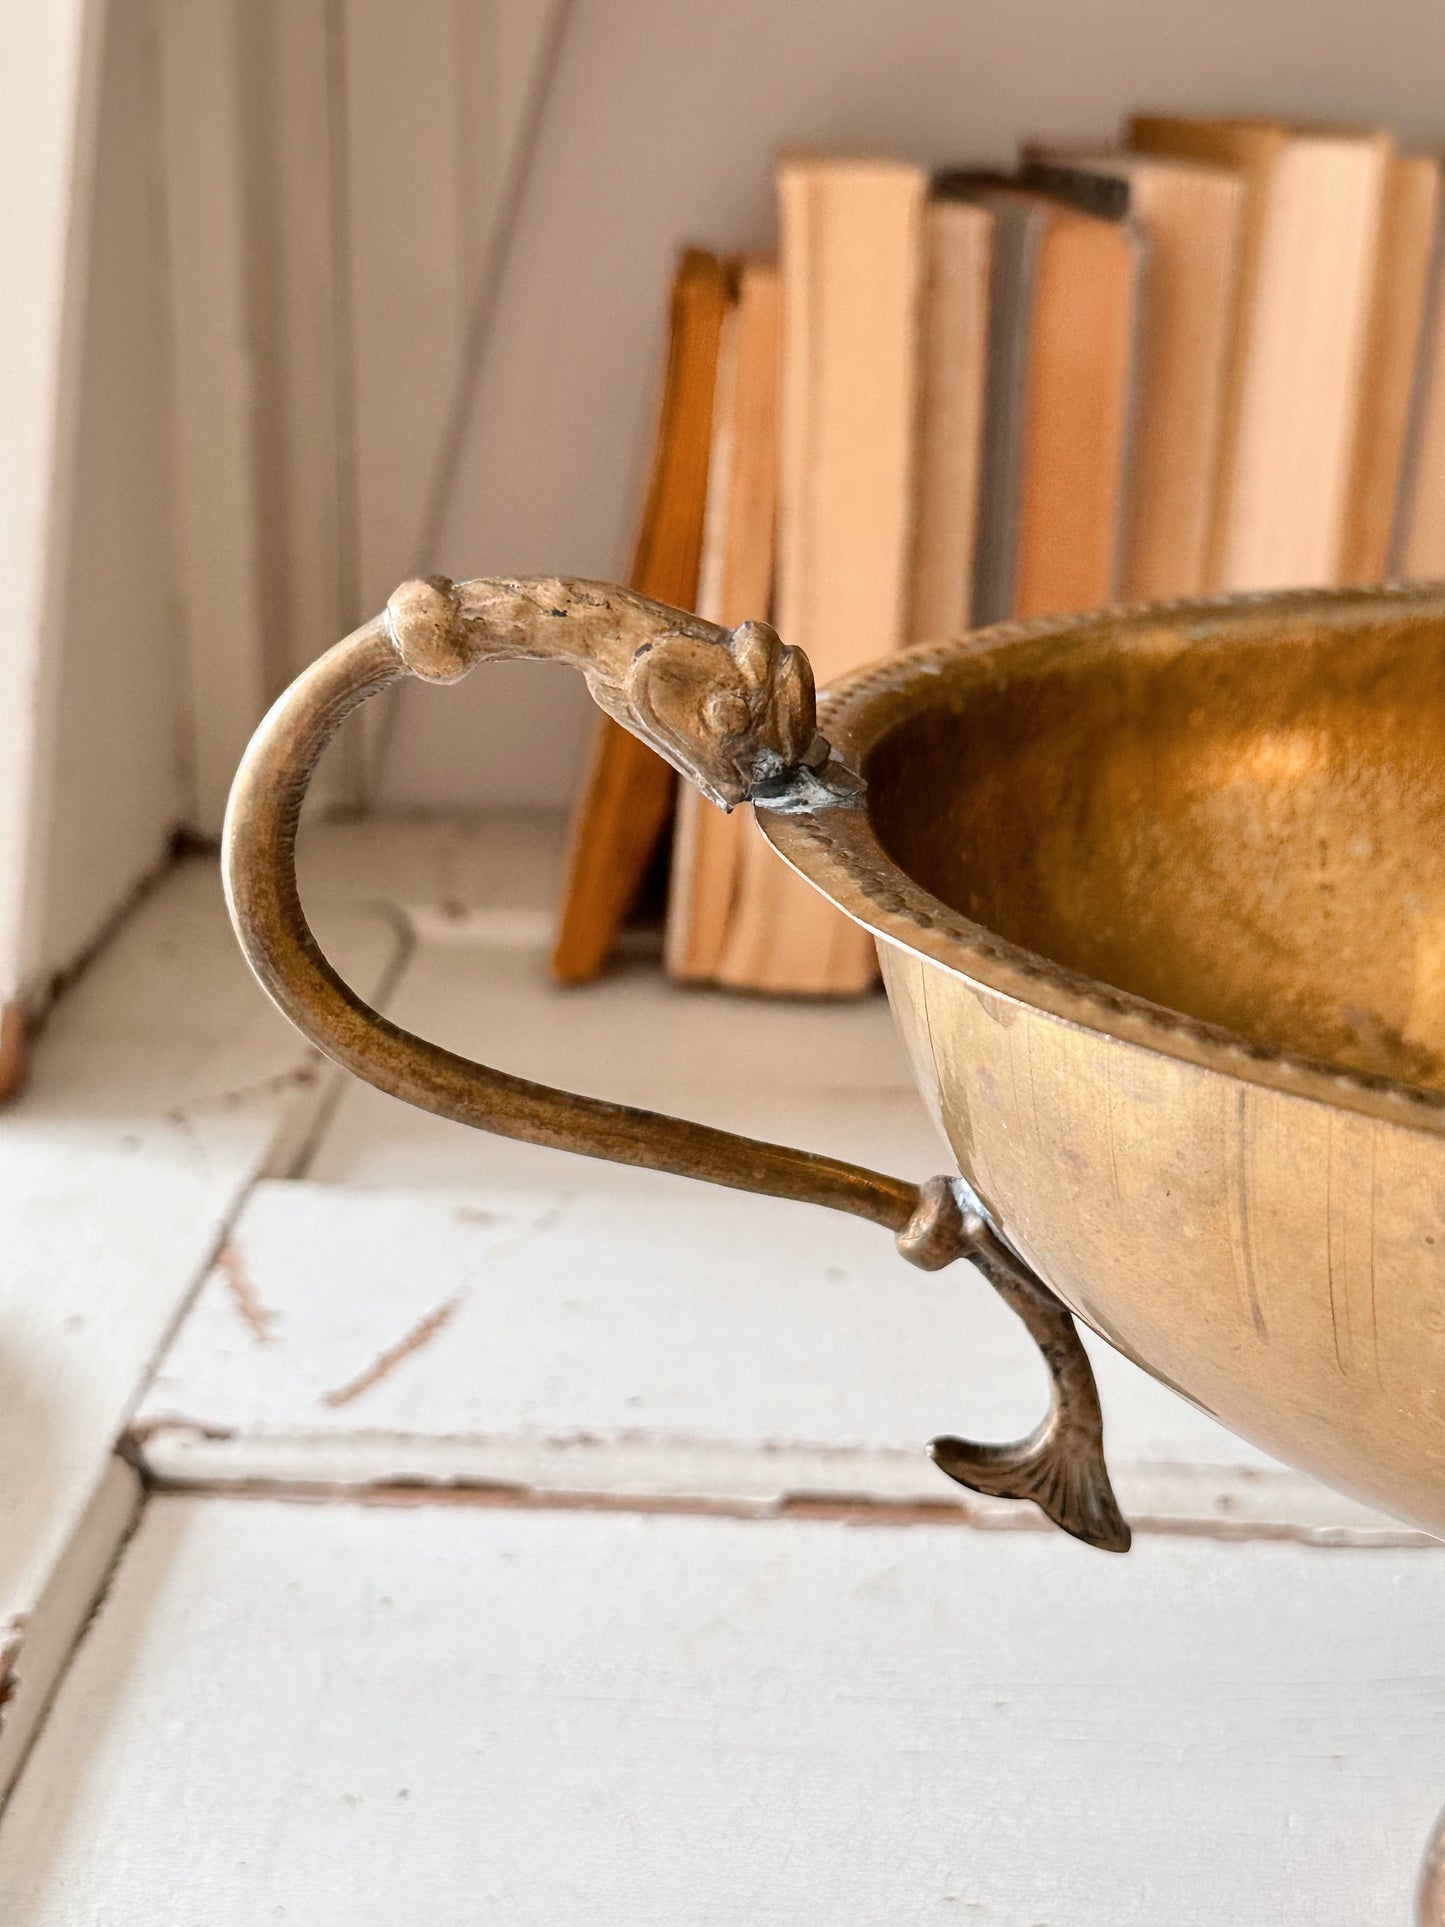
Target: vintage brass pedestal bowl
1160 904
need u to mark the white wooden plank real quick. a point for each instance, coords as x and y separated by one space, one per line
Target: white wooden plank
215 411
35 1647
49 90
162 1084
828 1076
456 880
440 1714
708 1349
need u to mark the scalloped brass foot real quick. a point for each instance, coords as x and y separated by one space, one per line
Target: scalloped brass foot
1060 1466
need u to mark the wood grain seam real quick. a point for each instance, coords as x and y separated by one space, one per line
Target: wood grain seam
820 1507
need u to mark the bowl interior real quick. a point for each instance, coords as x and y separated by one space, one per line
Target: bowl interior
1242 818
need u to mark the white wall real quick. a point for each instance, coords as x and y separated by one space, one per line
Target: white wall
88 783
112 763
659 130
48 64
239 247
387 135
334 175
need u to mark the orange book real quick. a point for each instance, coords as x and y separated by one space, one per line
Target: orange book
709 851
626 801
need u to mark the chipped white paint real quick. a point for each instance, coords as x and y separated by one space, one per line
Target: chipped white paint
644 1473
161 1086
35 1645
164 1084
443 1714
742 1352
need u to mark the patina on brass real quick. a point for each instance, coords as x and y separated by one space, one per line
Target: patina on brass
733 711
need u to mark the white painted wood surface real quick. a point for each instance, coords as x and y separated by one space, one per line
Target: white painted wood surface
217 405
455 1714
232 337
472 881
49 77
710 1348
442 1306
162 1086
36 1644
512 1691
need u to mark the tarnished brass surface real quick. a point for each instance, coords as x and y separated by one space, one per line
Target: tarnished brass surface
1161 902
734 711
1244 822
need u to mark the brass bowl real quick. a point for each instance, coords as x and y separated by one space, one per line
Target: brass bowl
1160 902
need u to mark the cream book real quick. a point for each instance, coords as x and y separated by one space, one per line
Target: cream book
1418 542
958 260
711 851
1313 214
1392 354
850 260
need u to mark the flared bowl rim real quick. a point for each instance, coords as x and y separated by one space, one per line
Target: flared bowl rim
839 852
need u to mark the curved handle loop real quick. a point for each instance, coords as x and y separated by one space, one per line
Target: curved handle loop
734 712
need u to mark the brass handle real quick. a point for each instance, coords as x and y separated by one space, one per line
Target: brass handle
734 712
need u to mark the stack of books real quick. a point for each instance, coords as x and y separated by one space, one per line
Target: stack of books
1208 358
